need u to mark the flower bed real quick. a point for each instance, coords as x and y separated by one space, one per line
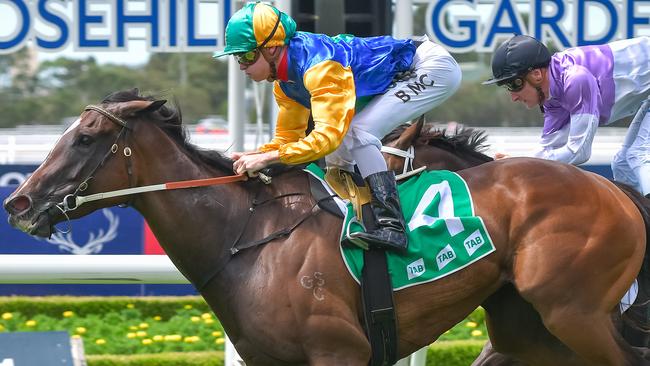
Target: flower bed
115 329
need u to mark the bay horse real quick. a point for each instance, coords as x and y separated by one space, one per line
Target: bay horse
512 322
290 300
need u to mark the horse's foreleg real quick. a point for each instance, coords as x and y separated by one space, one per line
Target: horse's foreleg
331 340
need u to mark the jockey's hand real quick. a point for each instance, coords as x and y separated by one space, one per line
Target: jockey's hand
499 156
252 163
238 154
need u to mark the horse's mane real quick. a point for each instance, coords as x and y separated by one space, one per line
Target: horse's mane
462 140
169 119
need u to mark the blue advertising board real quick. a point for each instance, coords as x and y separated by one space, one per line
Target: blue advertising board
108 231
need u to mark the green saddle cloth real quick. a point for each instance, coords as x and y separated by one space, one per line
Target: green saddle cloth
444 235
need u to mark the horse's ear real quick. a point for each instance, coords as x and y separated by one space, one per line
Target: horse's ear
140 106
410 134
154 106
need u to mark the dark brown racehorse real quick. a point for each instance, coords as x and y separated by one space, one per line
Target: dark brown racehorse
290 301
513 323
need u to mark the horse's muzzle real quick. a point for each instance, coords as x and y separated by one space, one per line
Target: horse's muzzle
24 216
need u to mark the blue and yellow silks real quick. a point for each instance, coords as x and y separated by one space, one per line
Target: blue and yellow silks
328 75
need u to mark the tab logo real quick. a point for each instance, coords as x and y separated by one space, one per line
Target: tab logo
415 269
473 242
445 256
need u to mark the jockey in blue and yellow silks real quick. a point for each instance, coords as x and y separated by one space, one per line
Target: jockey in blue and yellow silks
356 89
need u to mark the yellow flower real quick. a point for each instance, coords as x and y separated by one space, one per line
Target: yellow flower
141 333
157 318
130 306
173 337
158 338
206 316
219 341
130 335
76 336
100 341
147 341
476 333
143 325
195 319
191 339
30 323
216 333
187 307
80 330
208 321
133 327
7 316
471 325
68 314
2 328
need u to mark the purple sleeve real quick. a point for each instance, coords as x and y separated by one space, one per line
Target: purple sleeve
581 92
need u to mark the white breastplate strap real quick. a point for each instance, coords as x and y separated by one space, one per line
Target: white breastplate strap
409 156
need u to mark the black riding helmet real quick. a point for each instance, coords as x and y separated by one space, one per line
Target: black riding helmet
516 57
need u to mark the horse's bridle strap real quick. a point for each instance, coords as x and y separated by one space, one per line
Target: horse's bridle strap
108 115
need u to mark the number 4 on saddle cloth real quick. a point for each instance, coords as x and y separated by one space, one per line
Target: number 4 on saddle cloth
444 235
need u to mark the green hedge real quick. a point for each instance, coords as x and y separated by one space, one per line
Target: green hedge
454 353
56 305
161 359
451 353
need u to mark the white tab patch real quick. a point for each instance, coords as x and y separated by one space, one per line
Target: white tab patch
415 269
473 242
445 256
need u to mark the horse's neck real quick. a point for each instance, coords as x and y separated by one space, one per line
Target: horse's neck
194 226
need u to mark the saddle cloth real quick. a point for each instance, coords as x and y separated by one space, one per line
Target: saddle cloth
444 235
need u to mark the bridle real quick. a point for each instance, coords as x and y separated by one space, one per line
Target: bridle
72 201
409 157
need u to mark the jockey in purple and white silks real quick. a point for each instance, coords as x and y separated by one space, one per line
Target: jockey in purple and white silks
578 90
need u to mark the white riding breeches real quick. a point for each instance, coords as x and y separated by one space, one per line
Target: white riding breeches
631 165
437 76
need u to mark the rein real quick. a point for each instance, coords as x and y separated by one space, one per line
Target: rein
409 157
72 202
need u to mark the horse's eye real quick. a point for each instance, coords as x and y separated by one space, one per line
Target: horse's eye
84 140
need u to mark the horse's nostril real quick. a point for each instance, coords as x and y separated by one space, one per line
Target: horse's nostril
18 205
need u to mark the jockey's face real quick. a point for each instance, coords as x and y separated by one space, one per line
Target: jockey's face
528 94
259 70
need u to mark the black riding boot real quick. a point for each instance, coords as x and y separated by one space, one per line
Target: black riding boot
390 232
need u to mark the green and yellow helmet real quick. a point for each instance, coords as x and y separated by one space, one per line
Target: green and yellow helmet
257 25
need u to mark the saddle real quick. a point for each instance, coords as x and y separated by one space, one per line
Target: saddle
349 186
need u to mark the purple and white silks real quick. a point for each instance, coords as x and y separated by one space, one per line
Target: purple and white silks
592 86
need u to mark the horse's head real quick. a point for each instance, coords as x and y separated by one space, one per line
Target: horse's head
93 155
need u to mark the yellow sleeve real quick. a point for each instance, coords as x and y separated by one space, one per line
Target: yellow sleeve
333 96
291 123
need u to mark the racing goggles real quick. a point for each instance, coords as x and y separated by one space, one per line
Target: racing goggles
513 85
247 58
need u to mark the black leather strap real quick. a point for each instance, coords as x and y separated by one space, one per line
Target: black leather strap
378 304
